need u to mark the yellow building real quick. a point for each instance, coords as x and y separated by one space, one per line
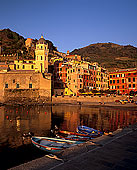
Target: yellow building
40 64
41 53
98 78
24 64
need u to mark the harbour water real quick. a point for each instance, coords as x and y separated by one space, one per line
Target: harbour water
15 121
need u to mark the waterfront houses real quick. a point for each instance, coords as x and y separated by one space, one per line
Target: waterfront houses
66 74
123 81
74 76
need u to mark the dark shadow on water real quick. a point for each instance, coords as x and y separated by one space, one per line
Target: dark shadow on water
11 157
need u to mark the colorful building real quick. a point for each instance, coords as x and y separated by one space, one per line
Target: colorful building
75 79
40 63
123 81
24 64
73 57
41 55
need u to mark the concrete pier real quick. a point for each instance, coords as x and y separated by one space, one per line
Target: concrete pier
117 152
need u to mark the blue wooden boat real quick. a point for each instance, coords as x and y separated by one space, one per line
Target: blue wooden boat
52 145
73 136
89 131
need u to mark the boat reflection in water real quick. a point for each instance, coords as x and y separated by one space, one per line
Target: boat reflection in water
100 118
15 121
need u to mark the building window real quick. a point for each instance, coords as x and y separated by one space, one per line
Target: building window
41 47
80 85
123 87
6 85
133 85
129 85
113 81
41 57
110 81
17 85
30 85
113 75
110 76
32 67
122 80
13 80
23 67
45 57
129 79
118 87
134 79
117 81
74 81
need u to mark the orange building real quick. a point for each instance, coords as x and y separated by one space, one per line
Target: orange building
60 74
73 57
123 81
28 42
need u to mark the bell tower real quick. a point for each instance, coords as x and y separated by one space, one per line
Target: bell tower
41 53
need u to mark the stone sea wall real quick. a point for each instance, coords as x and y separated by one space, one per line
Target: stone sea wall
32 88
25 96
86 99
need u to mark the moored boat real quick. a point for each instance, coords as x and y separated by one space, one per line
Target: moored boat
73 136
89 131
52 145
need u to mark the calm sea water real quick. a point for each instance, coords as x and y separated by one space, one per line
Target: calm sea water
15 121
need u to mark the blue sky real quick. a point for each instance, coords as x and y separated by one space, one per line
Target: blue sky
72 24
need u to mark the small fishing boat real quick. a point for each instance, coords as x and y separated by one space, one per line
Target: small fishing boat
52 145
73 136
89 131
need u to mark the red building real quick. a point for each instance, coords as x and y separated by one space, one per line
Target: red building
60 74
123 81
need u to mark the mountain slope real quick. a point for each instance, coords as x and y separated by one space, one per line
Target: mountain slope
12 43
109 55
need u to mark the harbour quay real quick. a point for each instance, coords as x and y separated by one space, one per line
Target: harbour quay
115 151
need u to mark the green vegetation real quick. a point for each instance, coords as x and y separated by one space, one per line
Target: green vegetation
109 55
13 43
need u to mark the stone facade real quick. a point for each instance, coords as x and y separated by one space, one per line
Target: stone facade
24 87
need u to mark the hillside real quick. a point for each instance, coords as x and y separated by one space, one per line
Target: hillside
12 43
109 55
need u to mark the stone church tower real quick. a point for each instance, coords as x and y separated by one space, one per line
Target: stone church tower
41 56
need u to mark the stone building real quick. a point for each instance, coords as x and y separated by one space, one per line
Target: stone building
25 87
30 81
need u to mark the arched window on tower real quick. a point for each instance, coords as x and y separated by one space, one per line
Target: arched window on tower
41 57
